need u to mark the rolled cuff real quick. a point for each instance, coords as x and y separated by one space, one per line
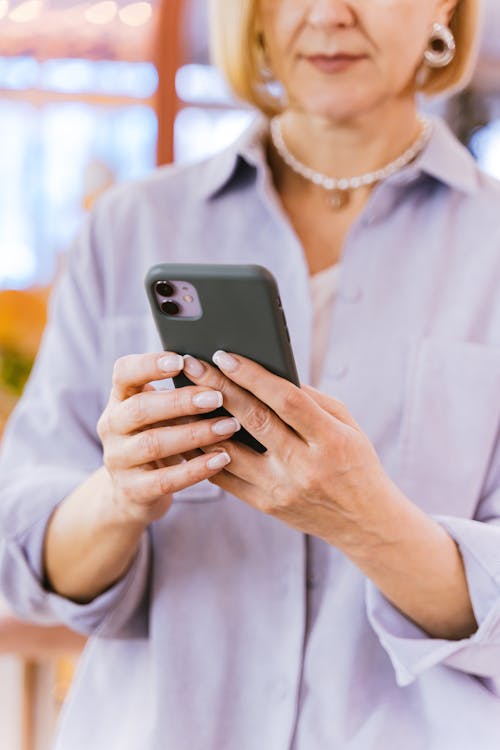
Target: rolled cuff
121 611
410 648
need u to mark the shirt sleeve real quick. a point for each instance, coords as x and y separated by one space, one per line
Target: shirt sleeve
410 649
50 446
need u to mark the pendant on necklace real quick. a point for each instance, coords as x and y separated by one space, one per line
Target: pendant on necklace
338 199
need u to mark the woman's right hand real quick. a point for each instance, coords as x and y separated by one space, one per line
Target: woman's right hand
151 437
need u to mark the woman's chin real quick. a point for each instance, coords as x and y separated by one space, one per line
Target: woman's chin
345 105
338 110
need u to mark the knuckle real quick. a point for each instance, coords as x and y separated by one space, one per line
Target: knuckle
311 482
193 433
135 409
108 458
195 472
341 443
118 371
279 496
149 446
213 378
291 398
340 409
258 419
163 483
180 400
116 457
103 426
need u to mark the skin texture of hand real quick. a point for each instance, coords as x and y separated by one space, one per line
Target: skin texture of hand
149 436
150 440
321 476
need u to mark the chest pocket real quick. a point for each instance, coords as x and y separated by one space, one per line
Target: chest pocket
123 335
450 424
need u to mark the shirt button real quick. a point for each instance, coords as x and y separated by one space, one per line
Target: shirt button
351 295
310 581
370 220
340 372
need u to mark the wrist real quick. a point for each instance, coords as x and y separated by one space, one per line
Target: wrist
110 515
89 544
386 522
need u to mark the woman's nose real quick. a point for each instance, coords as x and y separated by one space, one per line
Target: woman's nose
330 13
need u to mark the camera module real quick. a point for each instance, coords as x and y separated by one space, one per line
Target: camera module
164 289
170 307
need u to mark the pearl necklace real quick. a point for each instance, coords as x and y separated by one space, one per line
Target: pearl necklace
339 189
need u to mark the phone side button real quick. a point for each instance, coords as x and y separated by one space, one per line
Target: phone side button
286 325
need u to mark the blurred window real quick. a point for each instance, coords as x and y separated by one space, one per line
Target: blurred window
210 118
90 126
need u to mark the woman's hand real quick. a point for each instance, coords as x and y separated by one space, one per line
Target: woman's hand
322 476
150 440
150 437
320 473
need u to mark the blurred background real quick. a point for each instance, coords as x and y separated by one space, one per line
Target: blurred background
92 93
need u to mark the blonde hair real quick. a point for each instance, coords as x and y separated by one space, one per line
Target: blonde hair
237 52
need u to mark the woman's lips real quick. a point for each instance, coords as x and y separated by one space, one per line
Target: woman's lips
334 63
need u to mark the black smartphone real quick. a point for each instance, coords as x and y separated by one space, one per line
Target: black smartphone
200 308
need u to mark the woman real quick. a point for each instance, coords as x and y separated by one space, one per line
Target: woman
343 589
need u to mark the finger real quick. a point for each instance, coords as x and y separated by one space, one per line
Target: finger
133 372
254 415
153 407
188 455
239 488
331 405
146 487
290 403
246 463
157 444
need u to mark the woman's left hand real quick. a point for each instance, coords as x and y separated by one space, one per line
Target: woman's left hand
320 474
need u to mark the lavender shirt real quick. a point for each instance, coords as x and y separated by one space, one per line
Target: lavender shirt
231 631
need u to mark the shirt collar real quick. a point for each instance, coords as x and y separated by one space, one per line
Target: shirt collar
444 159
248 151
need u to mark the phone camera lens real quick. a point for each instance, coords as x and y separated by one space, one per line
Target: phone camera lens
170 307
164 288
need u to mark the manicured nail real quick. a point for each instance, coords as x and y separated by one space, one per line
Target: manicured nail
225 361
226 426
193 366
171 363
218 461
208 399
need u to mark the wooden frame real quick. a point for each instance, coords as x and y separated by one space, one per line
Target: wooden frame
169 57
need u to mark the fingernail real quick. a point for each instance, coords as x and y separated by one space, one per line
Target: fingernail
225 361
193 366
226 426
171 363
218 461
208 399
